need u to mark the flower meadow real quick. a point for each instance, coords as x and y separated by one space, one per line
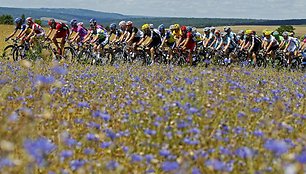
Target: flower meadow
73 118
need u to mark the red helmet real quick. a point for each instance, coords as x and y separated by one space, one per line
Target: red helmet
129 23
184 28
51 22
29 20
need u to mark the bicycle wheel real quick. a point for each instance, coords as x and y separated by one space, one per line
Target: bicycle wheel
8 52
19 53
69 54
83 57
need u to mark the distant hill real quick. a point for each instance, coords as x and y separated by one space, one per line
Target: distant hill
66 14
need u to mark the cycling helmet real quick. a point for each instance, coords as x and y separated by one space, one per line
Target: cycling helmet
80 24
73 22
113 26
171 27
227 29
305 36
151 26
129 23
161 27
93 21
267 33
122 23
194 29
285 34
189 29
18 21
223 34
292 34
29 20
217 32
183 28
212 28
51 22
206 29
275 33
176 26
248 32
145 27
241 32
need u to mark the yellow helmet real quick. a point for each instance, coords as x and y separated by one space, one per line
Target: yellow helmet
145 27
267 33
248 32
176 26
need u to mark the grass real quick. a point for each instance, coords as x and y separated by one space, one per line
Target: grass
72 118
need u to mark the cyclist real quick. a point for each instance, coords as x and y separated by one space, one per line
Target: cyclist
97 36
114 31
303 46
291 46
188 42
19 25
252 44
36 30
217 43
241 37
134 35
61 31
168 41
153 42
270 44
162 30
208 37
80 31
197 35
232 36
278 37
122 25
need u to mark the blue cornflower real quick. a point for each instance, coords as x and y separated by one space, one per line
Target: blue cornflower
278 147
89 151
169 166
109 133
195 171
105 144
59 70
149 158
150 132
66 154
302 157
164 152
258 133
39 149
5 162
13 117
112 165
125 149
83 104
45 79
136 158
91 137
76 164
244 152
216 164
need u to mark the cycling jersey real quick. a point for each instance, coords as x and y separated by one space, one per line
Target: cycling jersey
219 41
198 36
156 40
116 32
37 28
21 27
254 40
271 39
177 34
293 44
138 33
191 43
227 39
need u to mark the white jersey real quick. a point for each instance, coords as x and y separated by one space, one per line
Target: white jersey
271 39
293 43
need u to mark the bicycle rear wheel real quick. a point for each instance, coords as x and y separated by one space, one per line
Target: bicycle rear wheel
8 52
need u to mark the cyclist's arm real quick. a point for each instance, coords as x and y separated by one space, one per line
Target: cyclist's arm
213 43
131 38
142 40
15 31
49 33
220 45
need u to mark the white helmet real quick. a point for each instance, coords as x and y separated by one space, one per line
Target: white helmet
151 26
122 23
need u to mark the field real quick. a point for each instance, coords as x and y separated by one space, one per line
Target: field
71 118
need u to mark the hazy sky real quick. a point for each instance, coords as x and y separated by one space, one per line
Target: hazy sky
259 9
